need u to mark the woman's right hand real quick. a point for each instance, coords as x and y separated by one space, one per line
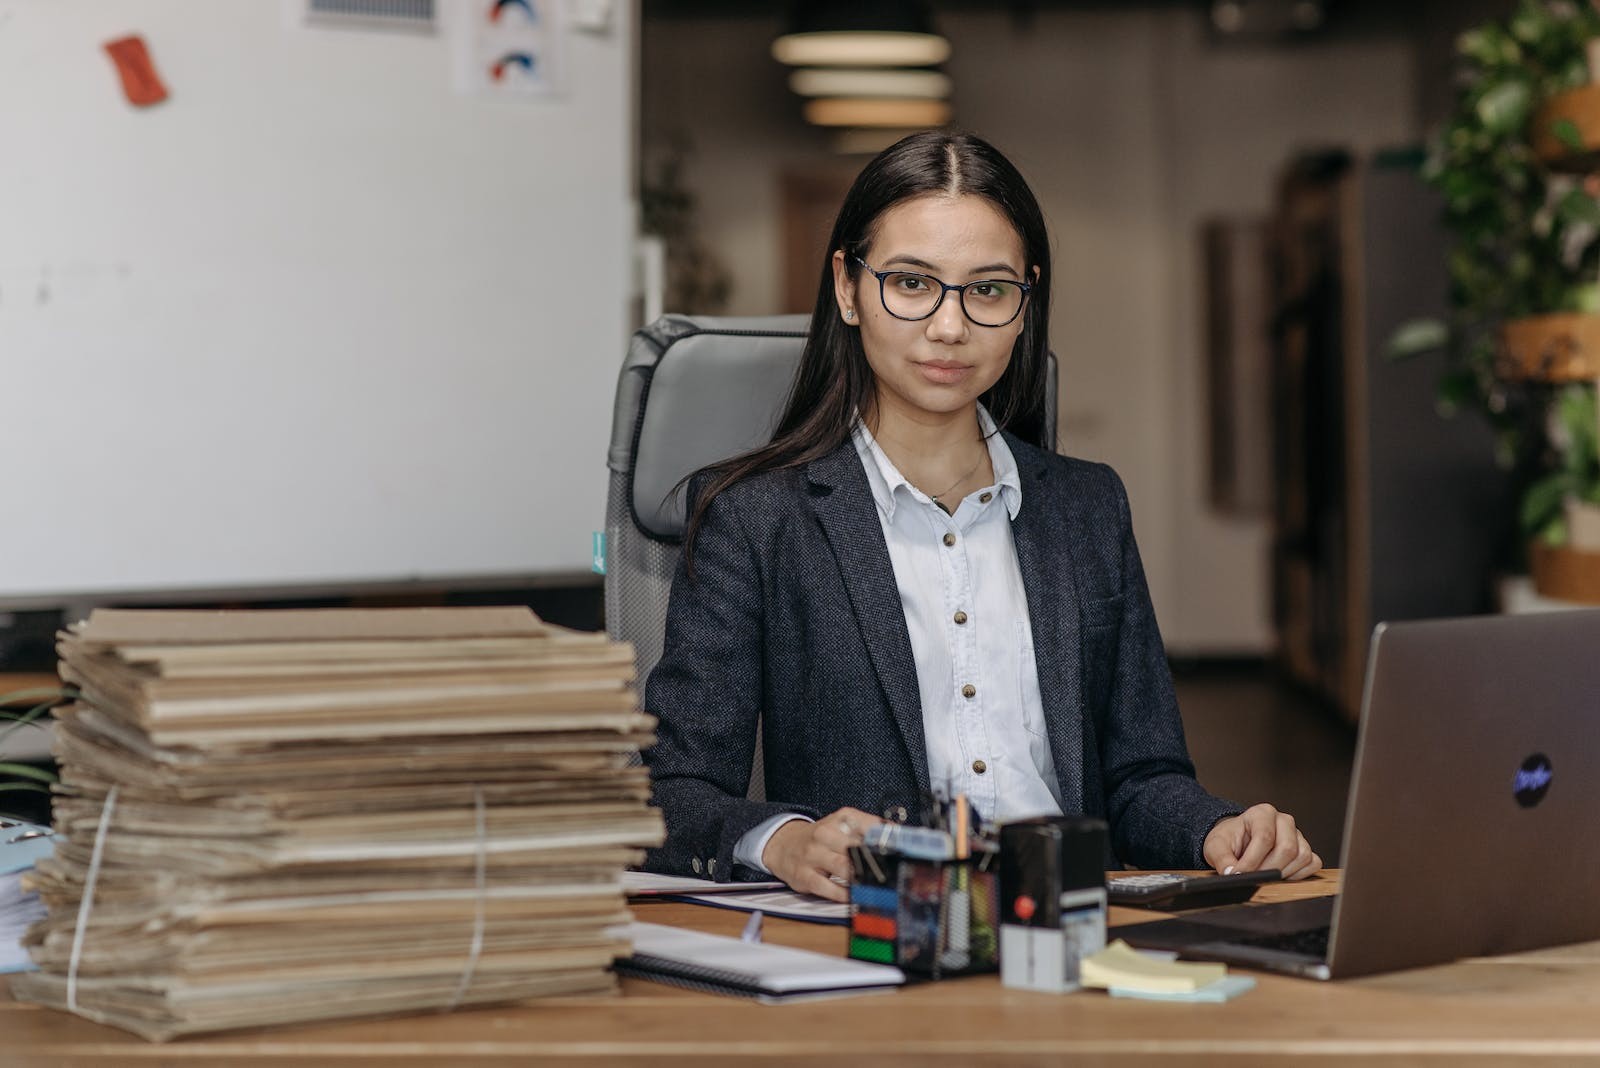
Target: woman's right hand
808 856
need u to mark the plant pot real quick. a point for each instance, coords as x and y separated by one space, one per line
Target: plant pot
1581 107
1565 573
1562 347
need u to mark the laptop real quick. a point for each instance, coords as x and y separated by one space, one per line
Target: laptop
1471 828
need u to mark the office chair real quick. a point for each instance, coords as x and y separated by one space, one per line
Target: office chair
693 390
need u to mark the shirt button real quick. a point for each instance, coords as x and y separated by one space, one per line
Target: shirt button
979 766
969 691
961 617
949 539
985 498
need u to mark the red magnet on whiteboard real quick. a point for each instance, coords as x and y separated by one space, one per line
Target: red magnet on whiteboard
139 78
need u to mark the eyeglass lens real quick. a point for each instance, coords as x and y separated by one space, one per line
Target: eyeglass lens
992 302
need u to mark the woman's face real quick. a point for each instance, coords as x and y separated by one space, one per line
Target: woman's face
942 364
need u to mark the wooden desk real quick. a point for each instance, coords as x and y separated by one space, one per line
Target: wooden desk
13 681
1538 1007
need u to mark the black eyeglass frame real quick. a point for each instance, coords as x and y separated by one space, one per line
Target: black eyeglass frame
945 288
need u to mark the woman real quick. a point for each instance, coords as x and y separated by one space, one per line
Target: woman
905 592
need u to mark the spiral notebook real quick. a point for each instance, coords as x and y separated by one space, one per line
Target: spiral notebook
767 973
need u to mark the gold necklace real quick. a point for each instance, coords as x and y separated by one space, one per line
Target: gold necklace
934 497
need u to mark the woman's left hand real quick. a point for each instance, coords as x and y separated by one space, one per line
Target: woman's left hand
1257 838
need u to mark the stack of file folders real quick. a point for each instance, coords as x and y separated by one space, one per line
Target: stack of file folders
273 817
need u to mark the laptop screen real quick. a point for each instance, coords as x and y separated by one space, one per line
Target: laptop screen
1471 827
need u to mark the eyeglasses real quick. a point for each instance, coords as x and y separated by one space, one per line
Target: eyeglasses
911 296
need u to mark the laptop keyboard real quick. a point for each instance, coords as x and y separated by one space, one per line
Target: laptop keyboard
1312 943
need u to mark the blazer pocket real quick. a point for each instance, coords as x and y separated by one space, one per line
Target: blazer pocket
1102 625
1102 611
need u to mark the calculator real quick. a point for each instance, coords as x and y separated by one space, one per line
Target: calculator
1170 892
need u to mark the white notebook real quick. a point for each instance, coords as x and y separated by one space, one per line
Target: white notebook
748 969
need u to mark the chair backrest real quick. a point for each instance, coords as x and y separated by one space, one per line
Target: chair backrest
693 390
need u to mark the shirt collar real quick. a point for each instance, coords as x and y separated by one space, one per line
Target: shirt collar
887 482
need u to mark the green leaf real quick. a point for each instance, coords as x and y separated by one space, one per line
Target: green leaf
1566 131
1529 25
23 719
1478 44
1579 207
1584 298
1417 336
1543 501
1504 108
27 771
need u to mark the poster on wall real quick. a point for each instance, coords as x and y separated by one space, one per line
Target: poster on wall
511 48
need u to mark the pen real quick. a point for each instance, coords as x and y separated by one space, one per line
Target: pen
752 928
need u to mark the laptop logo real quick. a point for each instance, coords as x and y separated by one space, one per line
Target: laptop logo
1533 780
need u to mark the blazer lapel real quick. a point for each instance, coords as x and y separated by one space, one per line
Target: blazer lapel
1044 558
850 519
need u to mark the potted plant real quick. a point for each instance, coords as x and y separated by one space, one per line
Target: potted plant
1518 167
15 777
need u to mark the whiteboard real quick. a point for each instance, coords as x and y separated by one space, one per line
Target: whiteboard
317 319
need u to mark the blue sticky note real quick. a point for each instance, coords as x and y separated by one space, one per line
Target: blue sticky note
1225 989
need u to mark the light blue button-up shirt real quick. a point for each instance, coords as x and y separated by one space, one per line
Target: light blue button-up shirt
988 654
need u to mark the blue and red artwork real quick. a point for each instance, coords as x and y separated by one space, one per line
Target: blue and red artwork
501 5
512 59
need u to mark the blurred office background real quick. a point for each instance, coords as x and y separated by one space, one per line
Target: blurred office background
1239 227
1238 223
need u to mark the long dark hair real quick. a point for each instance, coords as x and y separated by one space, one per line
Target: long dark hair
833 381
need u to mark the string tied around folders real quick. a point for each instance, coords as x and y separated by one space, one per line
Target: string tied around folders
86 906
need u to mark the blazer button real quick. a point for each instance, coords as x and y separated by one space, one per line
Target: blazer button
896 814
711 866
949 539
695 864
961 617
969 691
979 766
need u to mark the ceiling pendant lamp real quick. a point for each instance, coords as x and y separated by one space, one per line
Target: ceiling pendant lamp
863 33
854 111
866 65
849 81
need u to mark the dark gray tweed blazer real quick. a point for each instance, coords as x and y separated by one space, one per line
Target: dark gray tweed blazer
793 622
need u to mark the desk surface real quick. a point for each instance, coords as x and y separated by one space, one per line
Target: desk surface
1535 1006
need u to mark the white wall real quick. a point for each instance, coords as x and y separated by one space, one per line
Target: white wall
1132 128
316 319
1234 117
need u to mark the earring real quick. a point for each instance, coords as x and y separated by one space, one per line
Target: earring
849 315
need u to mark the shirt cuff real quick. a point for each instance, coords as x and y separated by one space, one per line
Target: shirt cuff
753 843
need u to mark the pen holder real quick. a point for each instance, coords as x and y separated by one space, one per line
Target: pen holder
930 918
